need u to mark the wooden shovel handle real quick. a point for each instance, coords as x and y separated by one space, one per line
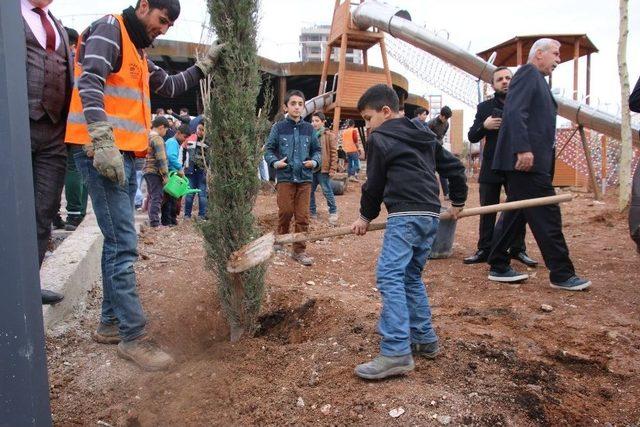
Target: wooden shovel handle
343 231
511 206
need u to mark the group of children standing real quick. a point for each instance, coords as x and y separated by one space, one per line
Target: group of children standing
182 154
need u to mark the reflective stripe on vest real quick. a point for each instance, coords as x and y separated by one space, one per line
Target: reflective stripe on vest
127 101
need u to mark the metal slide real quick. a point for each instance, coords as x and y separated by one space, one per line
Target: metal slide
397 22
318 103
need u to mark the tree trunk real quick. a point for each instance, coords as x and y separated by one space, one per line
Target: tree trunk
233 135
626 151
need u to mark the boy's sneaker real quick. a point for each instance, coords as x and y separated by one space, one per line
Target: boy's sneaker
333 219
302 258
385 366
106 334
314 216
429 350
145 353
508 276
574 283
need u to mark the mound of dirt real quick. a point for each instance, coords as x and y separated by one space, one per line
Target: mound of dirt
503 362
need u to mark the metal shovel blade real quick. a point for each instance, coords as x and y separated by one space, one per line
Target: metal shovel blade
252 254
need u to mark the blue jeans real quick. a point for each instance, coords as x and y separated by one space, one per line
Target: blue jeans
198 179
113 206
139 198
325 183
354 164
139 162
406 315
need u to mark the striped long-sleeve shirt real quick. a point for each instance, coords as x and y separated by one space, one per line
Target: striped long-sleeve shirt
100 55
156 161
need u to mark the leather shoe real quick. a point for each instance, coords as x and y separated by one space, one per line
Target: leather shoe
50 297
525 259
478 257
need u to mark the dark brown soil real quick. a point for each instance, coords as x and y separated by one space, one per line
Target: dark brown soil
504 360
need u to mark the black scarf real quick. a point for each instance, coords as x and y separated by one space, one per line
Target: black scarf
135 28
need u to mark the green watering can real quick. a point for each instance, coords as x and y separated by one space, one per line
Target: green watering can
178 186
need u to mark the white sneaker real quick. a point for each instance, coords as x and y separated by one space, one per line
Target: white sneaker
333 219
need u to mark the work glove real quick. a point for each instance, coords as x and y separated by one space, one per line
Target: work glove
106 157
209 61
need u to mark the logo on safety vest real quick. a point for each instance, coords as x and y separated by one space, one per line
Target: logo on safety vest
135 71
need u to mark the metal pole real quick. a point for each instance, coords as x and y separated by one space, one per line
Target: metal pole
24 386
587 155
397 23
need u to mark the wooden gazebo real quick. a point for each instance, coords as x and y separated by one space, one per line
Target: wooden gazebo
514 52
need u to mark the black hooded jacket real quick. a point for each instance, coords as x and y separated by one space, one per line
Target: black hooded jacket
401 164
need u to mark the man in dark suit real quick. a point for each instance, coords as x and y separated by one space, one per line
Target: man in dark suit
49 85
486 126
525 154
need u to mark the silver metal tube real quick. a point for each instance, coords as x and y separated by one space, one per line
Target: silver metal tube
398 23
318 103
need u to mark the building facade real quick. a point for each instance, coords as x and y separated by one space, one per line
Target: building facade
313 46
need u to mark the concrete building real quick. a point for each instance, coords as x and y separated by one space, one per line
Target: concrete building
313 45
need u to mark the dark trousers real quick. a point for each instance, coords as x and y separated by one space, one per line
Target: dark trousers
49 163
293 201
169 212
154 191
444 182
545 223
490 195
75 190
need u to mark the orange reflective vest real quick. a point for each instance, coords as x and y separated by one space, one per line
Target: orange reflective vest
127 102
350 140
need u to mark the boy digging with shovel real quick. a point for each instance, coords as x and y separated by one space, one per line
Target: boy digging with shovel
401 167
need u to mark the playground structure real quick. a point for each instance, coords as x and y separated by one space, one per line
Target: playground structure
458 74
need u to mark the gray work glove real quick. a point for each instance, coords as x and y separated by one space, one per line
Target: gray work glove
106 157
209 61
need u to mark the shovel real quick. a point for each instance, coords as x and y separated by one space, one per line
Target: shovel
261 249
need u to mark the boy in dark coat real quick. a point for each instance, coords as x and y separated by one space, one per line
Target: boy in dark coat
401 172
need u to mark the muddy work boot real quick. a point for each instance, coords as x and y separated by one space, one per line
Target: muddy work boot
302 258
106 334
430 350
385 366
145 353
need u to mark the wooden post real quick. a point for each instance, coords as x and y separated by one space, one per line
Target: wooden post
365 60
519 52
325 69
282 91
588 88
587 155
342 67
626 148
385 62
603 156
576 64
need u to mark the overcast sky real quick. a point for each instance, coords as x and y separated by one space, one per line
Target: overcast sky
473 24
